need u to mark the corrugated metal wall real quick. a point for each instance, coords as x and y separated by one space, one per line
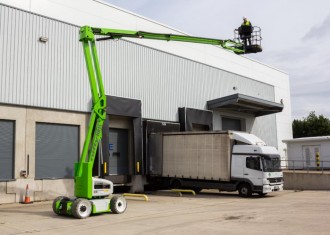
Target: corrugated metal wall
53 74
40 74
265 128
164 82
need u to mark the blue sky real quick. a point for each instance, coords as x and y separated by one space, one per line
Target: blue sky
296 37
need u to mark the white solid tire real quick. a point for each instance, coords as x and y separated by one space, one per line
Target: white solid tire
118 204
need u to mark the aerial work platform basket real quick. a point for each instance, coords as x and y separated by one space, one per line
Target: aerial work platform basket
250 37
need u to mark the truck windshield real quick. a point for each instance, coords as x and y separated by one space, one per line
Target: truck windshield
271 163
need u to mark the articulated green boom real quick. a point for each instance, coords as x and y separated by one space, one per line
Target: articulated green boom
83 169
88 33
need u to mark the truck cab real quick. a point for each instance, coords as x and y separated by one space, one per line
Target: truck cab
255 167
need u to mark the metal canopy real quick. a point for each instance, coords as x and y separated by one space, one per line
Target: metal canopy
245 104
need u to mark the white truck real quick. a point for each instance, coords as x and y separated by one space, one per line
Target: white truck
224 160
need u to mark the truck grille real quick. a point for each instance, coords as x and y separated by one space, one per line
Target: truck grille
275 180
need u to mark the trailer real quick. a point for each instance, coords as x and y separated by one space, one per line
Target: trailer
224 160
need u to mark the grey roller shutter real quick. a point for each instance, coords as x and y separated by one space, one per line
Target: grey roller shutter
231 124
57 149
7 129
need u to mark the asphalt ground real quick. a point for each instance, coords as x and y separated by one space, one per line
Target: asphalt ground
210 212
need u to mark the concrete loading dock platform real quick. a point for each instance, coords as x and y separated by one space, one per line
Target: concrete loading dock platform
210 212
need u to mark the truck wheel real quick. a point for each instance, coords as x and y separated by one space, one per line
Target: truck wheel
244 190
118 204
262 194
81 208
60 198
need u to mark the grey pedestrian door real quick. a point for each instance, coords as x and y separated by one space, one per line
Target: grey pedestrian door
118 150
309 153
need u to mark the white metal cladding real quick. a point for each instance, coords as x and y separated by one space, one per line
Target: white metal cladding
265 128
33 73
53 74
164 82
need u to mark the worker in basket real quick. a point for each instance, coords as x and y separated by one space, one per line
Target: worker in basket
245 31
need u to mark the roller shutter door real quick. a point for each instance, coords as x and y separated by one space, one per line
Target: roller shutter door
57 149
231 124
7 130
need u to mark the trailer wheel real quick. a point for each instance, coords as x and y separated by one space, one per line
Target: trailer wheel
244 190
118 204
60 198
81 208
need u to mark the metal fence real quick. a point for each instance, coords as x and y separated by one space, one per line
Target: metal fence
305 165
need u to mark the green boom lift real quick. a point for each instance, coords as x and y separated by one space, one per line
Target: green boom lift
91 193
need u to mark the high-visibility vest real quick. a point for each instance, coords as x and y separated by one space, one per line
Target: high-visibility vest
246 23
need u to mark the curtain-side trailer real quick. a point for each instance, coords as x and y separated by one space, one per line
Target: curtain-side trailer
224 160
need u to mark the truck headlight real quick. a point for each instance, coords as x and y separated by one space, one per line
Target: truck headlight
265 182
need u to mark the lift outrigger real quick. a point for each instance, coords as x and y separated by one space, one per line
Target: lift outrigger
91 193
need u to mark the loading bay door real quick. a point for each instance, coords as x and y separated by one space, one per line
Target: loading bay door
118 151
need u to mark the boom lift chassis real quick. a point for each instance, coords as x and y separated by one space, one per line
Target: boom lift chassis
91 193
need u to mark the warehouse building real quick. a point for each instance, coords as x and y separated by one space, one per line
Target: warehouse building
151 86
